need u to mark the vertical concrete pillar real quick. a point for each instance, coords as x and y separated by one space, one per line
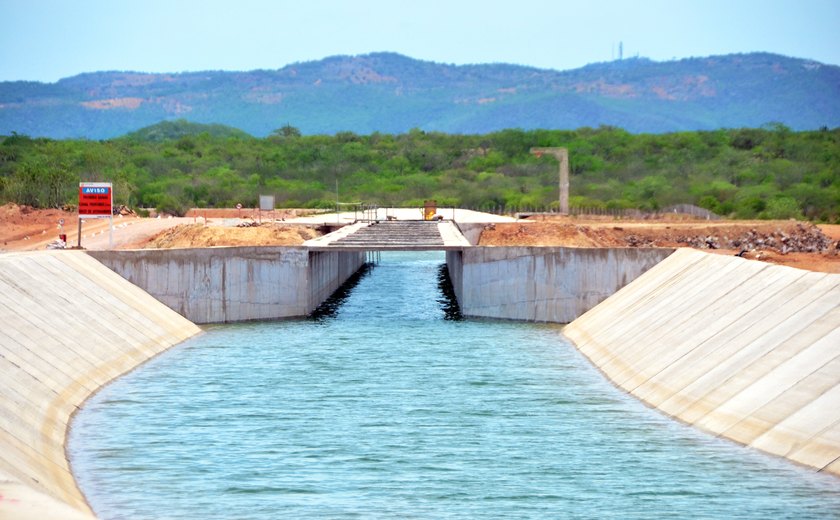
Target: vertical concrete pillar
562 156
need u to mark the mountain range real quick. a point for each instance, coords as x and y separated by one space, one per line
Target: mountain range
391 93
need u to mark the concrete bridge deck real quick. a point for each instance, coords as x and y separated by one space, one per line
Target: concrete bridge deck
398 235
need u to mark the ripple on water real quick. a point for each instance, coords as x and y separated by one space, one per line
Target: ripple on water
388 406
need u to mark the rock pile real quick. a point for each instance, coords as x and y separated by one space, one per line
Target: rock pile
803 239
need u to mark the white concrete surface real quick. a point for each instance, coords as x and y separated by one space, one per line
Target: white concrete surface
452 236
69 326
745 350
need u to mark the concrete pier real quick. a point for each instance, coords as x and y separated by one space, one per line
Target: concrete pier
742 349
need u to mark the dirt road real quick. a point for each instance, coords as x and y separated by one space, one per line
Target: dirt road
23 229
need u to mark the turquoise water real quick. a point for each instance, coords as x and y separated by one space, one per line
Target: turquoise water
384 408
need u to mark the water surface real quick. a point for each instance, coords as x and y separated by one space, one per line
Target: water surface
385 408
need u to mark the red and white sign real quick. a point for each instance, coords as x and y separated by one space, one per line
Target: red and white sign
95 199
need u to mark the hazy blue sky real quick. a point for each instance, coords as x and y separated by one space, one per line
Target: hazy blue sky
46 40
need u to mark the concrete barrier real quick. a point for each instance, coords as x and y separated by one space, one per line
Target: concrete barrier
70 325
228 284
745 350
552 284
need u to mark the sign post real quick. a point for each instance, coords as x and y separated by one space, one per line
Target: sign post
266 204
96 200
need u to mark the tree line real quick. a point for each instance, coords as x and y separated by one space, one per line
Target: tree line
767 172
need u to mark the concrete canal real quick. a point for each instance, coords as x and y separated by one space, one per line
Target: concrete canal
388 406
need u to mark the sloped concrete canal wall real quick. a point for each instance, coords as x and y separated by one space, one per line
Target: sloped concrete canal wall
742 349
69 326
227 284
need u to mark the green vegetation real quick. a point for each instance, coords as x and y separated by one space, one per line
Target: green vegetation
169 130
768 172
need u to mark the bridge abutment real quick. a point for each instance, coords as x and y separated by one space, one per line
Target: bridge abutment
229 284
544 284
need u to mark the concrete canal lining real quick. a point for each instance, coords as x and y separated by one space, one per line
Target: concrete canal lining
744 350
70 325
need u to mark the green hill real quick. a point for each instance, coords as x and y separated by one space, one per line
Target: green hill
170 130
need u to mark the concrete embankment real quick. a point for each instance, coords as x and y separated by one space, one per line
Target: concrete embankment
69 326
745 350
551 284
227 284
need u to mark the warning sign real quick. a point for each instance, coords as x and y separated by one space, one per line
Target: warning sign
95 199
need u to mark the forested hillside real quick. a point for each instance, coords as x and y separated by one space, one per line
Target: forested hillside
390 93
770 172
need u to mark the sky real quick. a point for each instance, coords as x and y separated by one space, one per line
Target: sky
46 40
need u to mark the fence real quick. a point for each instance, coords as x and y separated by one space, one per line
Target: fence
632 213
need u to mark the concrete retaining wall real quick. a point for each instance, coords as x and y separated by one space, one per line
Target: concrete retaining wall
327 271
553 284
69 326
227 284
745 350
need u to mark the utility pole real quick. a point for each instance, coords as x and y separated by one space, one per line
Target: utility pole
562 155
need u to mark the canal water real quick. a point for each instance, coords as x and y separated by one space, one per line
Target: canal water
386 405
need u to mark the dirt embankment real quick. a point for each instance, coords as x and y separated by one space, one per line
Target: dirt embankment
797 244
23 228
199 235
249 213
24 224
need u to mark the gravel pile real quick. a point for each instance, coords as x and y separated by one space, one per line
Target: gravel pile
804 239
